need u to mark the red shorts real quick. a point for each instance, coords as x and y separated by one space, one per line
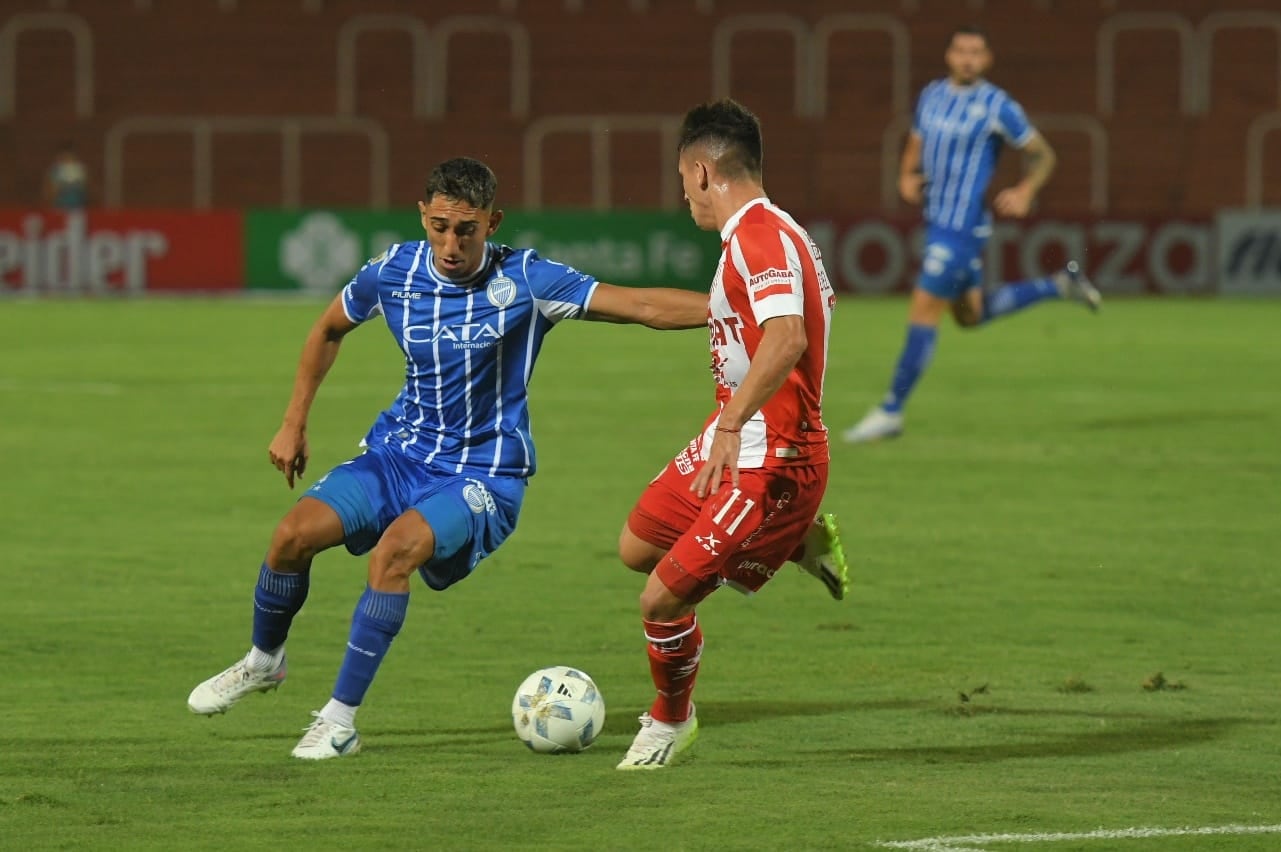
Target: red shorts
738 536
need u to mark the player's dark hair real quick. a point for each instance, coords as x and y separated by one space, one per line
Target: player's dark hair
464 179
730 127
972 30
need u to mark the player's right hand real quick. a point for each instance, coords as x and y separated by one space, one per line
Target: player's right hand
288 452
912 187
722 456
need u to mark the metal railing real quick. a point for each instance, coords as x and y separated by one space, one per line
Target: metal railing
900 72
723 43
1105 56
202 129
439 59
598 128
430 58
1255 136
82 48
810 48
420 41
1216 22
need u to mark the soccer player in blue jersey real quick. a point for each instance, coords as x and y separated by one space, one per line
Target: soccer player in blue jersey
440 484
961 124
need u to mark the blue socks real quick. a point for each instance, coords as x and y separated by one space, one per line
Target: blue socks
277 599
1009 298
377 620
918 349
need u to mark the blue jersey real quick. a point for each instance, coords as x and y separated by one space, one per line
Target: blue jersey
469 347
962 129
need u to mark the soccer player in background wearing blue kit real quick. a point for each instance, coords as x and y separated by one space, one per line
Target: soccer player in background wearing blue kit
961 123
440 484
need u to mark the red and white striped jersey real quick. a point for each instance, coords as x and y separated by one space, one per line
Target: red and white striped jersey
770 267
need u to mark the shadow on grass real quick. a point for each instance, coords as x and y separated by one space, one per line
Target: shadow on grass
754 710
1125 732
1152 735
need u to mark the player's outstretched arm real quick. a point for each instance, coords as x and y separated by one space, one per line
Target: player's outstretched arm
656 307
288 450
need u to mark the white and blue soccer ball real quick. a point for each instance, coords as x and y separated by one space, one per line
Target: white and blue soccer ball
558 710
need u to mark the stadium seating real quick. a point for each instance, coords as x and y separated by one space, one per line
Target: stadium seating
228 102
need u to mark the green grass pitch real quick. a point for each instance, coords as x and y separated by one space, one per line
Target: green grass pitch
1078 505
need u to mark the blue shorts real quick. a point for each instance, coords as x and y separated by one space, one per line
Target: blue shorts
470 514
952 264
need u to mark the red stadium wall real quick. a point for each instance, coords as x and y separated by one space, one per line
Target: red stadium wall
1173 144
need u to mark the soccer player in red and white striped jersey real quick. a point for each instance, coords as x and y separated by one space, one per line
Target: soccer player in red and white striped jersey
743 497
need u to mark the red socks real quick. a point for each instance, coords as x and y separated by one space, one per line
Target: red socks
674 651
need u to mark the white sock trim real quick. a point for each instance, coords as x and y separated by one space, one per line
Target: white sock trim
265 661
339 713
663 641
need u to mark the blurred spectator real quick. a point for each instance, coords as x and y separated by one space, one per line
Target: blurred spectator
67 183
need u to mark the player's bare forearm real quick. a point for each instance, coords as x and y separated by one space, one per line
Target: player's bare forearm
319 352
670 308
656 307
782 345
1039 161
318 355
911 182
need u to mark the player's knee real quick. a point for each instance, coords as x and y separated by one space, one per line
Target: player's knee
293 543
659 603
635 553
397 556
657 607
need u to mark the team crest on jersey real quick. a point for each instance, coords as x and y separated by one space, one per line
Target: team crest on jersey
501 292
976 110
478 497
376 259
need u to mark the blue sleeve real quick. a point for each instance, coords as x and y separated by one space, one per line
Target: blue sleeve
916 113
1014 124
360 297
560 291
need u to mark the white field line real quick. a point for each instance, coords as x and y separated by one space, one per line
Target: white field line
960 843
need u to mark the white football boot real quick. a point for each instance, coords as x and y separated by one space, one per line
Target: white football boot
659 744
325 739
1073 284
222 690
877 425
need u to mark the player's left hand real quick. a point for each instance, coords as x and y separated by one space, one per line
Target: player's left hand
288 453
1015 202
721 456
